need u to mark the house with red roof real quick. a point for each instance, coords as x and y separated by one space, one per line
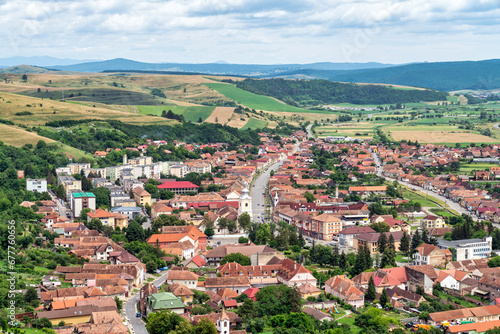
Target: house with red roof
196 262
342 287
179 187
251 292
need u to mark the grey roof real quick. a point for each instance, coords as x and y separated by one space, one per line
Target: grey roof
457 243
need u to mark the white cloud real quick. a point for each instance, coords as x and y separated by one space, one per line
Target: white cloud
262 31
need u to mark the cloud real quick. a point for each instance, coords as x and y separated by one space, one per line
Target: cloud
264 31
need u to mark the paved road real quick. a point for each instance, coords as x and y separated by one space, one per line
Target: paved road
257 193
61 209
453 205
308 129
138 324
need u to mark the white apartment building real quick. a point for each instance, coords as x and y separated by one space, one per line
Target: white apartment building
36 185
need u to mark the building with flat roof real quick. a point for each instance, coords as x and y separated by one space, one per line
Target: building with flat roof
469 249
81 200
36 185
179 187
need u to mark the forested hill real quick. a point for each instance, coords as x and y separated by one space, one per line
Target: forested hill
316 92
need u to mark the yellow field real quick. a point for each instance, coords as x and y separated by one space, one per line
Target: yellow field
44 110
223 114
177 88
15 136
441 137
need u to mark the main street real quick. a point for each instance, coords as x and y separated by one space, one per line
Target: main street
450 204
130 308
258 190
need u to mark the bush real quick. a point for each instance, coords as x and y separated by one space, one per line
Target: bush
311 299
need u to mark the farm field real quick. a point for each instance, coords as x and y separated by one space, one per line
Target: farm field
220 115
412 196
254 124
441 137
43 111
476 167
190 113
251 100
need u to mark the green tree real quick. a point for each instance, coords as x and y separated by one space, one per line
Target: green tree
382 242
119 303
388 258
135 232
163 322
244 221
247 310
371 293
31 297
94 224
204 326
390 243
384 298
404 245
263 234
415 240
309 197
380 227
236 257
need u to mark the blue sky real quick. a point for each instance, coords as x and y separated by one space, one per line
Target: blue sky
252 31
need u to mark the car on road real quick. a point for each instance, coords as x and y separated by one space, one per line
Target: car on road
138 315
157 271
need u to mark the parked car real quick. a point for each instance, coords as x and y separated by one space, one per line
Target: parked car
138 315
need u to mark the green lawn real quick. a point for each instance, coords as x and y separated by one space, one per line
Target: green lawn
190 113
416 197
476 166
254 124
255 101
442 213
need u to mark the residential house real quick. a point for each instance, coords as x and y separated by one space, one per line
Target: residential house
344 288
183 277
347 234
431 221
164 301
451 279
431 255
238 284
141 196
292 273
181 291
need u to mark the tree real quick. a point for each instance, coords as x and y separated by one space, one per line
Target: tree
343 261
371 293
388 258
236 257
382 243
415 241
94 224
384 298
390 243
204 326
200 120
135 232
119 303
163 322
425 236
404 245
380 227
420 290
309 197
244 221
263 234
24 78
31 297
247 310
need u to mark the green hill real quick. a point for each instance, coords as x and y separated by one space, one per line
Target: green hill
316 92
24 69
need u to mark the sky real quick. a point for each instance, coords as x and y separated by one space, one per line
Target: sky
252 31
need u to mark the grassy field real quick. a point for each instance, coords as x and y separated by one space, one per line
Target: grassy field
476 167
412 196
251 100
254 124
190 113
442 213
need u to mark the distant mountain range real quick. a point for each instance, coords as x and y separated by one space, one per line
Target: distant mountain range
121 64
446 76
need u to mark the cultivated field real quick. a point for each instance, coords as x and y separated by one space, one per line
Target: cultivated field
221 114
251 100
254 124
441 137
190 113
44 110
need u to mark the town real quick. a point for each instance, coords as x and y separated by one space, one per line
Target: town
294 235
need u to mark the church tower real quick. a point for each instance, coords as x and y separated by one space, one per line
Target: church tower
245 204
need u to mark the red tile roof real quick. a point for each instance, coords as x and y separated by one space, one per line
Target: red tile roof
177 185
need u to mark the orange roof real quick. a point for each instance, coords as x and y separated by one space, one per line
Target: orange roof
100 213
479 327
173 237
